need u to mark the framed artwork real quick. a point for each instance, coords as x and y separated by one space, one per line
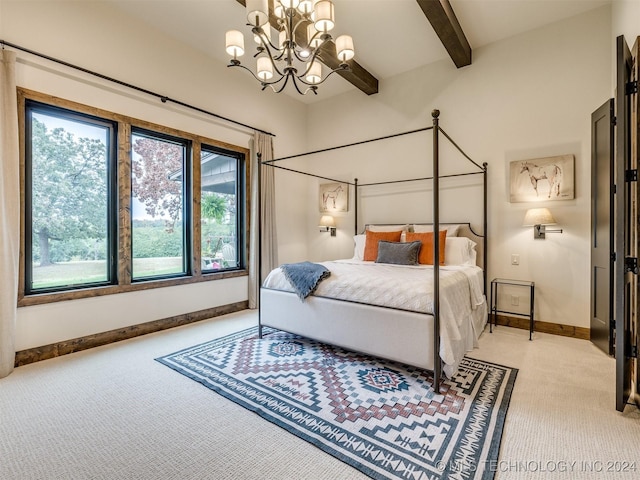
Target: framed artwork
542 179
334 197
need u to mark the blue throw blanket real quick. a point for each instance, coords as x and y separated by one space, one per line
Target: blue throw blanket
304 276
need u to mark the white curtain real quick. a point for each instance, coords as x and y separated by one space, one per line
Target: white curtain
263 144
9 210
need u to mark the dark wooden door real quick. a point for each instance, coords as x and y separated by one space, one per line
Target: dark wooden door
602 216
623 277
634 105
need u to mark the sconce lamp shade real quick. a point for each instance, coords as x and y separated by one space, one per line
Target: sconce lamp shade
538 216
328 224
327 221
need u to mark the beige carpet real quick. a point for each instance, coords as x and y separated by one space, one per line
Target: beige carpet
115 413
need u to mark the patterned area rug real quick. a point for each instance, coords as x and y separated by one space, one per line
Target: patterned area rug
381 417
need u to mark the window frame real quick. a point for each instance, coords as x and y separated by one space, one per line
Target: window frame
32 106
241 199
187 201
121 195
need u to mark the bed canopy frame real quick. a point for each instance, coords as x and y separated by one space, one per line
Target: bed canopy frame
436 176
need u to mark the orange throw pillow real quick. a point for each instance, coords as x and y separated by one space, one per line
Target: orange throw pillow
371 243
426 251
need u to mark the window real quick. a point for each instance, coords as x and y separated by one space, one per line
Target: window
221 210
159 213
69 210
114 204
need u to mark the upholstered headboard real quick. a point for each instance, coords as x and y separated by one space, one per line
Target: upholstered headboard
464 230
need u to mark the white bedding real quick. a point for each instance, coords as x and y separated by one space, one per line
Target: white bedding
462 303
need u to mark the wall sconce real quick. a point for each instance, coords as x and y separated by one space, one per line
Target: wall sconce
327 224
538 218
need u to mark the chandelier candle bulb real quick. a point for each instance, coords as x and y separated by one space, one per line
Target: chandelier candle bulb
313 42
325 17
312 15
235 43
257 12
306 6
282 39
314 75
288 60
267 34
265 69
278 10
289 3
344 48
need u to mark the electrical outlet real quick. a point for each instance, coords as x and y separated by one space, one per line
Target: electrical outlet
515 300
515 259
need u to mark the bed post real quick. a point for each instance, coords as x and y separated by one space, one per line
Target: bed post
484 229
437 365
355 204
259 246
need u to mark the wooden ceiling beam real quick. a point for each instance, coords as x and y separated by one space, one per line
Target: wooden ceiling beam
358 76
446 25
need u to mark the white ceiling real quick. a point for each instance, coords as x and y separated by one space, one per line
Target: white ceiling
390 36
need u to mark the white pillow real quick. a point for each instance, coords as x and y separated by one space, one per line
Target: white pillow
459 251
390 228
358 251
452 230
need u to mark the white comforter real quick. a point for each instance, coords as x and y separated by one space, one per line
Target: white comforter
407 288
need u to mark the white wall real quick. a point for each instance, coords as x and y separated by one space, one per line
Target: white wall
625 20
97 37
529 96
525 97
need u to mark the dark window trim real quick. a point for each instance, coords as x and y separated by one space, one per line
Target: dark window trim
125 124
187 201
241 199
32 106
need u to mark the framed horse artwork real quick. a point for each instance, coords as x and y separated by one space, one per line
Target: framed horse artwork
542 179
334 197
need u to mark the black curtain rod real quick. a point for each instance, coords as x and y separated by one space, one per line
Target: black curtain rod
347 145
163 98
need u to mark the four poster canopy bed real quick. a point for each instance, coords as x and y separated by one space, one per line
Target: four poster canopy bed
407 294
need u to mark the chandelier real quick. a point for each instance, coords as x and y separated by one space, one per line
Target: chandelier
303 28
